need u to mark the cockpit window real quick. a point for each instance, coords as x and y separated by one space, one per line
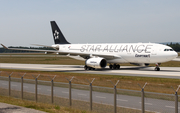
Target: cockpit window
168 50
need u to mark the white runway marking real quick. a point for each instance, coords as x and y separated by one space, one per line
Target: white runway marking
25 86
170 107
147 103
100 97
4 84
122 100
65 92
38 88
82 94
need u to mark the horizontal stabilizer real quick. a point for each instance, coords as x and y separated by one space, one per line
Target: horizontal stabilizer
4 46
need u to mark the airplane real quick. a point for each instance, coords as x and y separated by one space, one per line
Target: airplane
98 56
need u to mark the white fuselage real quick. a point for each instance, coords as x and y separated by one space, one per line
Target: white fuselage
123 52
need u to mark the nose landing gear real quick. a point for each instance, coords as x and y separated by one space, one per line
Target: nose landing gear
157 67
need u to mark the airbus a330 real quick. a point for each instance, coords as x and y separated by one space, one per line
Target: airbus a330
100 55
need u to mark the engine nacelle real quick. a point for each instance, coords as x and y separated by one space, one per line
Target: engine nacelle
146 64
96 62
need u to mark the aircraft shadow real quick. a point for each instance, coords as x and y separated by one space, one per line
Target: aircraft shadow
107 69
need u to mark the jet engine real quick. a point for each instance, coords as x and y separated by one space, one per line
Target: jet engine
146 64
96 62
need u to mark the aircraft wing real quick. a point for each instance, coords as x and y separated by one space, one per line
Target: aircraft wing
49 51
42 45
85 55
107 56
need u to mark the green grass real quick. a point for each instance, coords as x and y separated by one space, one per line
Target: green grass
50 108
40 60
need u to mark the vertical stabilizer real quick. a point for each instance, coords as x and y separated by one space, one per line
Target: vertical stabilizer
57 34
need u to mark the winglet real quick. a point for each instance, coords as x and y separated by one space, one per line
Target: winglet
4 46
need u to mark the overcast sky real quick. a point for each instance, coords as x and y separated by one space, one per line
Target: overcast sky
25 22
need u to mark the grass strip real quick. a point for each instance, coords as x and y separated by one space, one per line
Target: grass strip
50 108
44 59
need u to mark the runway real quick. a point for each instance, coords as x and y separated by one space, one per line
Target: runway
125 101
166 72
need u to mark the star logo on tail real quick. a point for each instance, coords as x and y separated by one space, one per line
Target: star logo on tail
56 34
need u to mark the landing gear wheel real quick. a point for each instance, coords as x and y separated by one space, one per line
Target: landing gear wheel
157 67
110 66
118 66
85 67
114 66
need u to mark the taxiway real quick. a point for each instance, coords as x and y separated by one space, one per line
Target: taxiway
125 101
166 72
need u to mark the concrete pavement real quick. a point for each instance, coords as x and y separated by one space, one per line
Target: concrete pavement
7 108
166 72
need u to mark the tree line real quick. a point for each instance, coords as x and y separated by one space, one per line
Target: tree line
175 46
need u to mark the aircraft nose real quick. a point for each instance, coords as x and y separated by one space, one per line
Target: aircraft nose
172 55
175 54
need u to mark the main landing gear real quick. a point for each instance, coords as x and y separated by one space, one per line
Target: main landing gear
114 66
88 68
157 67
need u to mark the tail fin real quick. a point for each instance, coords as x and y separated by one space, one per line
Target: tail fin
57 34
